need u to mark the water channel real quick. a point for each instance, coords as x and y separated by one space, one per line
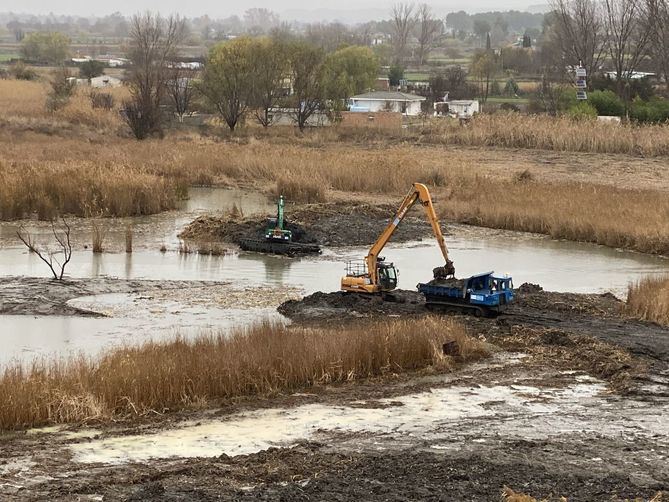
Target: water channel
556 265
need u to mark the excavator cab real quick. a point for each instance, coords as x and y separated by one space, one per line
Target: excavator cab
387 274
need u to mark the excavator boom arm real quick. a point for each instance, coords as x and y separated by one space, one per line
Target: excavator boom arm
418 192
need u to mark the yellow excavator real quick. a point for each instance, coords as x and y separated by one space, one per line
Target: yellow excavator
373 274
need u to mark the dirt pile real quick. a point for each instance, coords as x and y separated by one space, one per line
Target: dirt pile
328 224
325 307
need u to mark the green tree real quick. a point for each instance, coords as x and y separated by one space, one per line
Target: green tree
270 69
350 71
91 69
46 47
395 74
308 75
228 79
481 28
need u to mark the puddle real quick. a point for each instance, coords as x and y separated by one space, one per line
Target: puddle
420 415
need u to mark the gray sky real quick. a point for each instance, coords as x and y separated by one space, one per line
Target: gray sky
345 10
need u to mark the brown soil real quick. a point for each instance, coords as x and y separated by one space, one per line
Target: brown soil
337 223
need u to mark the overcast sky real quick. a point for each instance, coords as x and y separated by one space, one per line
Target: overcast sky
345 10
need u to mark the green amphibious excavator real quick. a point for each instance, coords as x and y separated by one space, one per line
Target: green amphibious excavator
278 239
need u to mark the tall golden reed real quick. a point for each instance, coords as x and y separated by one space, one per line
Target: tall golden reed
261 360
648 299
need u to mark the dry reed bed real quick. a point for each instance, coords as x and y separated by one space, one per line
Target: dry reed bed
619 218
22 105
262 360
125 178
131 178
648 299
513 130
82 189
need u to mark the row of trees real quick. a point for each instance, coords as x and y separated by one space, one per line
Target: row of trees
263 74
625 35
244 76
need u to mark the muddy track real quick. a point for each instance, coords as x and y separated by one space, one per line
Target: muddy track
314 471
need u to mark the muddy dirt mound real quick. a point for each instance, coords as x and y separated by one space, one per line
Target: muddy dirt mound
528 287
329 224
324 307
233 229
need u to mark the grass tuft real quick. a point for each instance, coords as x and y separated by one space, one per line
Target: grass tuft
648 299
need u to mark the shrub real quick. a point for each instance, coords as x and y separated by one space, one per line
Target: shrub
91 69
582 111
22 72
62 88
606 103
653 111
509 107
511 88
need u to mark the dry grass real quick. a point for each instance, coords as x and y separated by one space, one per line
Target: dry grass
620 218
301 187
131 178
512 130
82 189
262 360
22 105
648 299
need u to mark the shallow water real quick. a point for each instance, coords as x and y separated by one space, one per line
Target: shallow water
449 413
556 265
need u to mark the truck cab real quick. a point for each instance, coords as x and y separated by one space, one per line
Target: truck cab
489 290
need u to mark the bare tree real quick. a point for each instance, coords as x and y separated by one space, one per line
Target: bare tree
181 90
628 39
403 22
429 28
153 45
657 22
580 32
49 256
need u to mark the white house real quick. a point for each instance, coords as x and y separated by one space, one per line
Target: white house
379 101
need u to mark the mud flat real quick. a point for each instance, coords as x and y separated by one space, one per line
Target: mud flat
327 224
509 421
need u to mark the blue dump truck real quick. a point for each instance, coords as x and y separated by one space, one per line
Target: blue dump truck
481 295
